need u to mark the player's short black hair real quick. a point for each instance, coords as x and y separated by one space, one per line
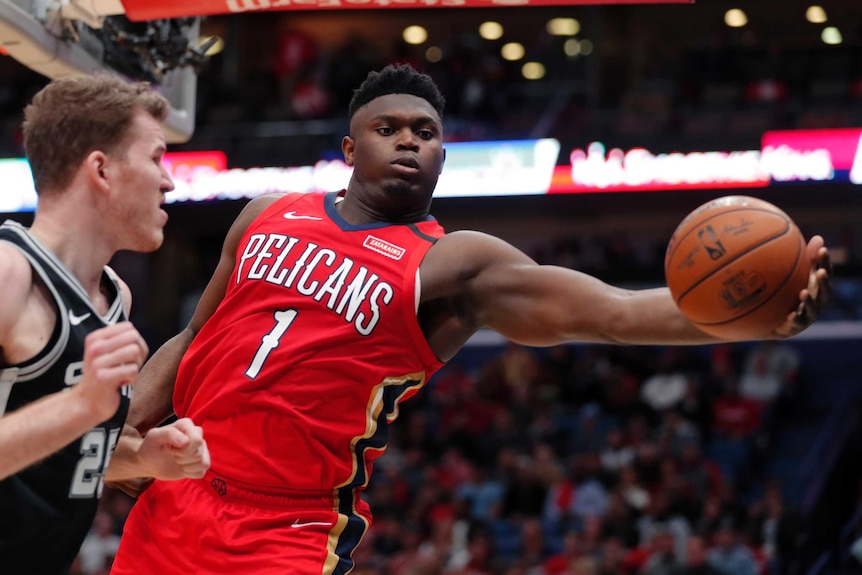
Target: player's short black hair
397 79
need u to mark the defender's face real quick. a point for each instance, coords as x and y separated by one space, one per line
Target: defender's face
140 183
396 146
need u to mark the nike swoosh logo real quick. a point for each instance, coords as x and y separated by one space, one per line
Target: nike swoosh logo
77 319
293 216
296 524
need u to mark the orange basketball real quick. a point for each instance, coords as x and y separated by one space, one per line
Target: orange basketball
735 267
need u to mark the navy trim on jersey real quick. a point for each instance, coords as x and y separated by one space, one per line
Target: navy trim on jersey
352 534
329 204
419 233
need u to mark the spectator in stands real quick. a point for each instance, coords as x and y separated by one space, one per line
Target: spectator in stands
666 388
616 453
663 559
619 521
701 474
611 561
677 430
728 555
695 558
661 513
631 489
770 369
764 518
733 415
591 497
696 407
100 545
558 563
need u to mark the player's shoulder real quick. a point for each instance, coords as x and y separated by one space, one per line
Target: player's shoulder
466 253
472 243
255 207
17 282
260 203
14 267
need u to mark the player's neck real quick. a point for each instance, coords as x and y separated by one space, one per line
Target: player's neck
77 243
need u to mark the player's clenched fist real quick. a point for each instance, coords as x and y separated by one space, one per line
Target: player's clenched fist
112 357
175 451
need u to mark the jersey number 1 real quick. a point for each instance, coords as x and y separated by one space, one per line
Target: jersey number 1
283 319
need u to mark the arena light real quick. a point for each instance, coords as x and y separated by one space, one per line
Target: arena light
571 47
491 30
415 34
434 54
815 14
563 26
831 35
512 51
735 18
533 70
586 47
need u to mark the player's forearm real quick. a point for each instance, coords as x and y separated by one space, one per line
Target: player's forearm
41 428
655 319
152 394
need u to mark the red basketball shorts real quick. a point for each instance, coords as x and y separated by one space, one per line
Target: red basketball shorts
216 526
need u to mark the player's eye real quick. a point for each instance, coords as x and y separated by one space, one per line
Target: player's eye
425 134
385 131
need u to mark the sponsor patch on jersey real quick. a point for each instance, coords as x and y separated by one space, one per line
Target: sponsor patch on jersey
383 247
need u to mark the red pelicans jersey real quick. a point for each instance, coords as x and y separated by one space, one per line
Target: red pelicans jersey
298 372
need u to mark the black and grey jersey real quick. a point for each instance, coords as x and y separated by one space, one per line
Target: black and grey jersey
47 509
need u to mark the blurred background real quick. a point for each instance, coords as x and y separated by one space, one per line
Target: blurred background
581 459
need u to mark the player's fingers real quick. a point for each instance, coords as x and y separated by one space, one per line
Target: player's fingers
814 246
170 437
824 285
127 354
188 427
98 345
117 375
197 464
193 433
824 260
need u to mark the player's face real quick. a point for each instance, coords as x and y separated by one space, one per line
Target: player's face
141 181
396 150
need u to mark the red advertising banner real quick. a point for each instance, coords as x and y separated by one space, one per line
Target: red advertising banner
140 10
840 149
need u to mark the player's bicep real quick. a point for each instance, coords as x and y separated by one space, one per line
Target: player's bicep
547 305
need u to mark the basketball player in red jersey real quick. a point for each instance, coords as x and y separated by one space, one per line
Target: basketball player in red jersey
324 313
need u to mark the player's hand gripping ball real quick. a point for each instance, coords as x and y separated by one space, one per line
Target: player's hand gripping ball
735 267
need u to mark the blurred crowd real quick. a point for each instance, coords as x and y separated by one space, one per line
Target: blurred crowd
575 460
633 86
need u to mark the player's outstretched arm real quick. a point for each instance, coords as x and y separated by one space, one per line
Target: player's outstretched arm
492 284
152 397
174 451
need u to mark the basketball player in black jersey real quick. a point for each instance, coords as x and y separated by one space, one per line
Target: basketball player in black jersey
68 355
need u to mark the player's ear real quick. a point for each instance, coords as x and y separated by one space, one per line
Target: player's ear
95 166
348 145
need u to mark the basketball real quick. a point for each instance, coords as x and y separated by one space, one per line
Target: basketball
735 267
